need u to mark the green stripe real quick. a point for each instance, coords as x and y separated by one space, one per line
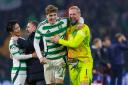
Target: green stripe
57 57
37 37
17 72
23 61
13 45
52 26
58 19
56 32
16 53
56 52
37 31
53 46
21 68
42 23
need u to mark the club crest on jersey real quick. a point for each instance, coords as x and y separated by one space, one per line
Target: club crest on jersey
60 26
48 31
13 48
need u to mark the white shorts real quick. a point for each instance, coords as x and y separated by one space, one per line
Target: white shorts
54 70
20 79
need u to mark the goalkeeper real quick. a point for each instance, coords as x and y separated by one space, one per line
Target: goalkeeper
79 53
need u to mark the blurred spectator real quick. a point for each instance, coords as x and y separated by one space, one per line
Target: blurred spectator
116 57
106 46
101 63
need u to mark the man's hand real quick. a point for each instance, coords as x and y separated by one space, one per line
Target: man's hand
124 38
44 60
55 39
34 55
79 26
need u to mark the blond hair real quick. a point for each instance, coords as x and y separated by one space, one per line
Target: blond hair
75 7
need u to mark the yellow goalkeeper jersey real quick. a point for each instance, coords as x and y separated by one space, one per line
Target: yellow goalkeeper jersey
78 42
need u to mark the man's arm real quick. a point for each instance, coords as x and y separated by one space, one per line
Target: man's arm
75 42
14 50
36 43
37 38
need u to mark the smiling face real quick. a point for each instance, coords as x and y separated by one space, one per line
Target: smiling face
52 17
51 13
74 14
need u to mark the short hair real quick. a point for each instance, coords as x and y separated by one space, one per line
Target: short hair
11 25
96 40
35 23
75 7
106 38
51 9
118 35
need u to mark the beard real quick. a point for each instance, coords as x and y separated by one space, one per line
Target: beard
73 21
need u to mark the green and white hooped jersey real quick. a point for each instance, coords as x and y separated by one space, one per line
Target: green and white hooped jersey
46 31
18 56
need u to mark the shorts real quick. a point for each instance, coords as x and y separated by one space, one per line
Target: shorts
54 70
19 79
81 72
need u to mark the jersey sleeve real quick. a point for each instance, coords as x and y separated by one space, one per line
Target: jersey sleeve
15 53
37 38
76 41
